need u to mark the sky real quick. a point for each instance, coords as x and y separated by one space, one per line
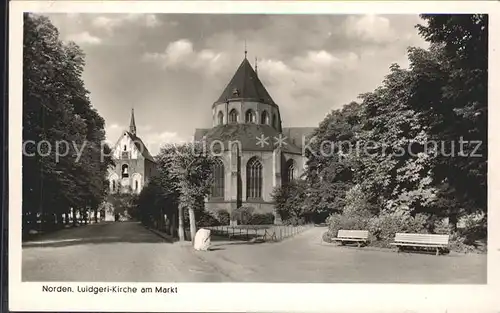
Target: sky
172 67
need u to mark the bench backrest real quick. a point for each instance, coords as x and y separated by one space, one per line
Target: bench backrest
361 234
422 238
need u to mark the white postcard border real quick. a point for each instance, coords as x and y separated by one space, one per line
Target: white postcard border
24 296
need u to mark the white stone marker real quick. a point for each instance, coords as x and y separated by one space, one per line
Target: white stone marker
202 240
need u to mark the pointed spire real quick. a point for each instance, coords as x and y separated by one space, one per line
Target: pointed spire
256 69
246 49
133 129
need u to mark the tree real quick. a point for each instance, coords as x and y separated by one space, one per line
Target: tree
290 201
406 133
191 167
463 57
329 171
60 123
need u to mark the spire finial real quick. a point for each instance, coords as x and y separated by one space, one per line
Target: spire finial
132 129
246 49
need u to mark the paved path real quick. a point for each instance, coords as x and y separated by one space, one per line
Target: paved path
117 252
305 258
127 252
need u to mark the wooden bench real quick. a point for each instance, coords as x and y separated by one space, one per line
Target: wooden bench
430 241
358 236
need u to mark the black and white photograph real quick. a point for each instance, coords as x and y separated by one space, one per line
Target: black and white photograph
166 148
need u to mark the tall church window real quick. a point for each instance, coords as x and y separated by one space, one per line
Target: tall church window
274 121
217 189
291 171
264 118
250 116
233 116
220 118
113 185
254 178
136 185
125 172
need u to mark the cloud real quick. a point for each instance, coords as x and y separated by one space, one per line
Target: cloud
180 54
152 21
370 28
84 38
154 141
114 21
109 24
182 62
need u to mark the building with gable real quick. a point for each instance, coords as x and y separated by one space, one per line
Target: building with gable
134 165
255 153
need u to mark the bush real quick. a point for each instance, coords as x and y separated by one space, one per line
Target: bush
384 227
474 228
327 237
223 217
206 219
295 221
242 215
337 222
441 227
459 244
261 219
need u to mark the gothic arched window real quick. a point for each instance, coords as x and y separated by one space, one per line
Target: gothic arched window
217 189
250 116
290 170
254 178
113 185
233 116
274 121
125 171
220 118
264 118
136 185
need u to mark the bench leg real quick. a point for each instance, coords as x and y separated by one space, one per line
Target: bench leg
359 244
437 251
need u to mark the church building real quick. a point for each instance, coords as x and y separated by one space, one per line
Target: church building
255 153
134 165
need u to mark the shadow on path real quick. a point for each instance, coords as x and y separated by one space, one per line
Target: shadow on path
102 233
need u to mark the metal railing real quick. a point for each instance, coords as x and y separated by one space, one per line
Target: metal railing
267 233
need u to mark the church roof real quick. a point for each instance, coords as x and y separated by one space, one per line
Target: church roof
245 85
139 144
298 135
246 135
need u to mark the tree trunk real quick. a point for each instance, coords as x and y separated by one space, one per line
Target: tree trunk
173 224
192 224
73 212
165 223
66 218
453 221
60 220
181 224
95 216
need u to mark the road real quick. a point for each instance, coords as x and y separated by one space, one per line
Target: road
114 252
126 251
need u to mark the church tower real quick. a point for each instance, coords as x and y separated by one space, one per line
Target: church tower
245 100
134 165
257 153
